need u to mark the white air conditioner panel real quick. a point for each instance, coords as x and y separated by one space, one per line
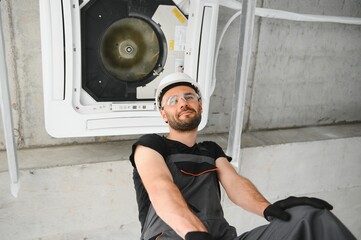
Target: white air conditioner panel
70 111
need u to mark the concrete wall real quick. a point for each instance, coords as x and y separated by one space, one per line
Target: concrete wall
329 169
301 74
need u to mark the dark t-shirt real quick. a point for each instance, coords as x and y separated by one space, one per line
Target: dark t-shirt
167 147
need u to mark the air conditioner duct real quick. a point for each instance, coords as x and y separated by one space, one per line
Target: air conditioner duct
103 59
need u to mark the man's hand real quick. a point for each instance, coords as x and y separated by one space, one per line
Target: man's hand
277 209
198 236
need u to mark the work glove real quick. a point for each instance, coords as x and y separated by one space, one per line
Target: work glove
198 236
277 209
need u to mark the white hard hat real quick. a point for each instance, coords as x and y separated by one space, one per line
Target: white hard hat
172 80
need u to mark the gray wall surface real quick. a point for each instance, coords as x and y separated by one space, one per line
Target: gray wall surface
303 76
78 195
301 73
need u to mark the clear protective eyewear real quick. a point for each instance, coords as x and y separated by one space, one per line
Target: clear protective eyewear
187 97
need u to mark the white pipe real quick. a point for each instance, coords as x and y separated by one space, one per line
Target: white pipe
5 105
214 77
285 15
239 94
278 14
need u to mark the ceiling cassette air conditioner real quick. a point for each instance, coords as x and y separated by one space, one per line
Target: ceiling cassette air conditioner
103 59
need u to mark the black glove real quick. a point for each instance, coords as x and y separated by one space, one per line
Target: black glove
277 209
198 236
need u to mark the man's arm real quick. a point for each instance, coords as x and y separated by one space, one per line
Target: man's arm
165 196
243 193
240 190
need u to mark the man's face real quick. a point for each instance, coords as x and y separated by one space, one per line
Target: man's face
184 115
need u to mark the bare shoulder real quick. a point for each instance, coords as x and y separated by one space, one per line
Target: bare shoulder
222 163
150 164
225 171
147 156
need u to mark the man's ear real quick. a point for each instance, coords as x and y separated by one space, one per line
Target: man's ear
163 115
200 105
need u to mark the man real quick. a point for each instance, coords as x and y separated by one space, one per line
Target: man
177 183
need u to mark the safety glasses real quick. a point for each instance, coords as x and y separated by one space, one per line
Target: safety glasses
187 97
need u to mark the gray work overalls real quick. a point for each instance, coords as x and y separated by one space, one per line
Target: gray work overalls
197 180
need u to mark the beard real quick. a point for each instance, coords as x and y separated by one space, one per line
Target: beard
188 124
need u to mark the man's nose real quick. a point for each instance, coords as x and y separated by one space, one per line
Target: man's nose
182 101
